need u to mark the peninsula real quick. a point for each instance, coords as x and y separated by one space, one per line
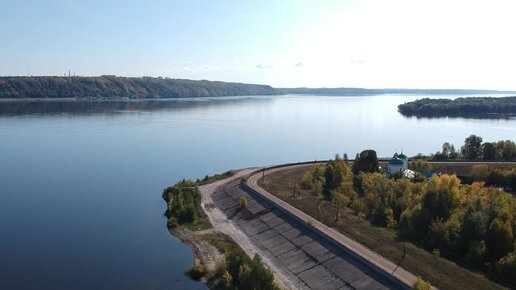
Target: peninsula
353 224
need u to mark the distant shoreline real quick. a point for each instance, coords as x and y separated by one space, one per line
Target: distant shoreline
71 88
14 100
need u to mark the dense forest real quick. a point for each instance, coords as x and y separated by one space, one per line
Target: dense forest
461 107
473 223
111 87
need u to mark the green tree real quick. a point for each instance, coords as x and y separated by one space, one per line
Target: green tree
367 162
335 173
439 195
446 150
506 150
227 280
488 151
472 148
499 238
453 153
340 196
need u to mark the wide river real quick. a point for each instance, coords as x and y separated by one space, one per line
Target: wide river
80 184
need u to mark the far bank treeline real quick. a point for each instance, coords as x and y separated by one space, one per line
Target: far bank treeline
461 107
110 87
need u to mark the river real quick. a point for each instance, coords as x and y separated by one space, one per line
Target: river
81 183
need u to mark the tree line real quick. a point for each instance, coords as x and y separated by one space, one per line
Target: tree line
475 223
109 87
475 149
460 107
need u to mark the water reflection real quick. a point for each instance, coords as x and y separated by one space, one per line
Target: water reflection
110 107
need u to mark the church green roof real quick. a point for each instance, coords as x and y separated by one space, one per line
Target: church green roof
396 161
402 156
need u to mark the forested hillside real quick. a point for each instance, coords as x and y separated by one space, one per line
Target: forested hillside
460 107
122 87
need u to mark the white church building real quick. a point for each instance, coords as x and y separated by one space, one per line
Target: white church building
398 163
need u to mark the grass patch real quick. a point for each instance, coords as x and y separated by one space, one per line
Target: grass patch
223 243
440 272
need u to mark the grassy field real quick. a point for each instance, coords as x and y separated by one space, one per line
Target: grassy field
442 273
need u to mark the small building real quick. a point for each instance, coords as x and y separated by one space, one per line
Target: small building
398 163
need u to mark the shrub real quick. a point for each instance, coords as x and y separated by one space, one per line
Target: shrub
420 284
197 272
306 181
227 280
243 202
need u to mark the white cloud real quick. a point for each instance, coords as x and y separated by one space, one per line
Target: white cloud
209 67
186 69
259 66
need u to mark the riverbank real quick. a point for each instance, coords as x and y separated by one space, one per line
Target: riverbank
206 256
218 245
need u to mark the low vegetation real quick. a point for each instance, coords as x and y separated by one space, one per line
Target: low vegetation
420 284
478 107
109 87
239 271
243 202
219 176
493 176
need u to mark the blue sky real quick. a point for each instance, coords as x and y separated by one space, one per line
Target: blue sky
374 44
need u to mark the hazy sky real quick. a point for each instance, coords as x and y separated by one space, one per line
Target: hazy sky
374 44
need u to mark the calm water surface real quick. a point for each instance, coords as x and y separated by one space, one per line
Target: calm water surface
80 184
